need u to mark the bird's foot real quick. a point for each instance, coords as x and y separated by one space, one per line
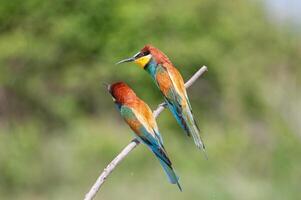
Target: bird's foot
163 104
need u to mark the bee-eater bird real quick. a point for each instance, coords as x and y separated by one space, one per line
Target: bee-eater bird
139 117
170 82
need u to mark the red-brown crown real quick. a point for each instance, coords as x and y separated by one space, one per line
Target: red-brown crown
158 55
122 92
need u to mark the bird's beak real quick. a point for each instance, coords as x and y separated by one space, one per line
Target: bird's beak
128 59
107 86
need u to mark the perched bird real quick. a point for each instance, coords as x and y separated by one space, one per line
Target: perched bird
139 117
170 82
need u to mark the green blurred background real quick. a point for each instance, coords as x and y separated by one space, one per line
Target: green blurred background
59 127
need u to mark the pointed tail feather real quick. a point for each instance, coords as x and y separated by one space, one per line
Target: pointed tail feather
165 162
173 178
194 130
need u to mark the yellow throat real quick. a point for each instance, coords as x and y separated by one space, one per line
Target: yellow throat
142 61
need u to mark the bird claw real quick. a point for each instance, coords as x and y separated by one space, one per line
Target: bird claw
135 140
163 104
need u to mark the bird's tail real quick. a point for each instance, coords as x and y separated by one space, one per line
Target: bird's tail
193 129
172 176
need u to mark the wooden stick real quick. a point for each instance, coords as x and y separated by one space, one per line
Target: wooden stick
109 169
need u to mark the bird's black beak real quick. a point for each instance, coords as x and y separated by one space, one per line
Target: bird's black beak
126 60
129 59
107 86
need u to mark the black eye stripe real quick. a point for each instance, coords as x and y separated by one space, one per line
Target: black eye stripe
141 54
145 53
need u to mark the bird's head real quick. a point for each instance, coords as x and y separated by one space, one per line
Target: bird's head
145 55
121 92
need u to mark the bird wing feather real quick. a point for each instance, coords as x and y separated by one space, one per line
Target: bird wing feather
183 107
172 86
146 133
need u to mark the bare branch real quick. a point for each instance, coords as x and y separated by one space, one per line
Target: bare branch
109 169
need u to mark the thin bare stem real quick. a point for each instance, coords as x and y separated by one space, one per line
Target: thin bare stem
109 169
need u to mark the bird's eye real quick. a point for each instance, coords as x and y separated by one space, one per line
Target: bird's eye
145 53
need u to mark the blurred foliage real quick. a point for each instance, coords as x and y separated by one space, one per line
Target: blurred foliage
59 128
